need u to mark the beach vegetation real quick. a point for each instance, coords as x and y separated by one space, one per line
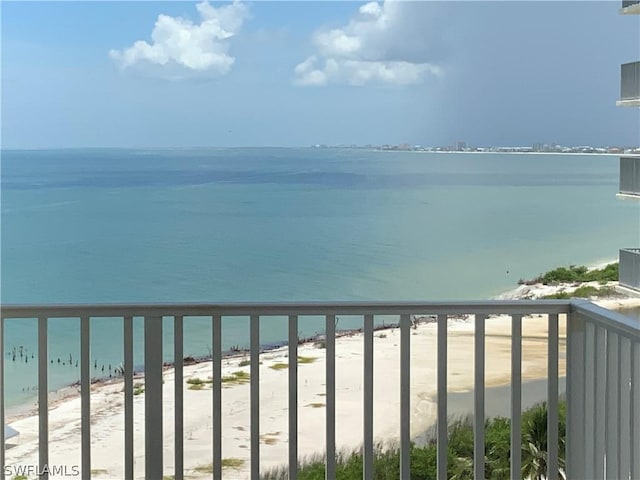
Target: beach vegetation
306 359
586 291
236 378
244 363
99 471
578 274
196 383
459 455
232 462
138 388
279 366
204 468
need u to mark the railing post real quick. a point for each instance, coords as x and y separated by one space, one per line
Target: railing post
85 396
516 396
552 399
478 393
575 397
330 380
153 438
2 460
443 439
255 396
178 397
367 455
612 419
216 345
293 397
635 409
128 396
43 398
405 398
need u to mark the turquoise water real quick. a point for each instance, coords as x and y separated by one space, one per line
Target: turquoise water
213 225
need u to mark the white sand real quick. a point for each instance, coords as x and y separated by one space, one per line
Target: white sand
108 417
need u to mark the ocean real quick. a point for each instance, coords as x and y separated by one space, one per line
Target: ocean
275 224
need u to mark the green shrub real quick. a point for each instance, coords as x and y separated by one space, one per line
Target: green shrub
574 273
459 456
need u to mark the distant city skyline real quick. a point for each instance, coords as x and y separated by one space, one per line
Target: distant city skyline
167 74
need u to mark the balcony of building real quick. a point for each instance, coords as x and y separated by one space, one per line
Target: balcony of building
630 7
630 268
630 177
629 85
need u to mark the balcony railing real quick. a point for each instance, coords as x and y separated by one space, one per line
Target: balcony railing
630 7
630 176
630 84
629 274
602 387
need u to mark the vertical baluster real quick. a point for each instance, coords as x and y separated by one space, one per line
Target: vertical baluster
612 406
516 396
85 396
178 396
624 467
43 394
128 397
293 397
575 396
2 399
255 396
405 397
600 401
478 394
330 380
153 438
635 410
443 439
367 472
589 400
552 397
216 342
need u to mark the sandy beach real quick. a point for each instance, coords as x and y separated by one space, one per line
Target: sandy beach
108 417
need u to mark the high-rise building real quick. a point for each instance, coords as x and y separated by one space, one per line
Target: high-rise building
629 275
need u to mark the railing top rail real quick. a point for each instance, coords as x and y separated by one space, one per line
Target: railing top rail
608 319
523 307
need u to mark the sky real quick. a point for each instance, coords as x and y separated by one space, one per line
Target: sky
299 73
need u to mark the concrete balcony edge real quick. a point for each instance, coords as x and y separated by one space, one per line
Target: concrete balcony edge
628 195
630 10
628 102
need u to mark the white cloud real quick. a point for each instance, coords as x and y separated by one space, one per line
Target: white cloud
386 42
182 48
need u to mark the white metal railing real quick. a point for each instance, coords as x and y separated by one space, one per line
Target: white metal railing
603 382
